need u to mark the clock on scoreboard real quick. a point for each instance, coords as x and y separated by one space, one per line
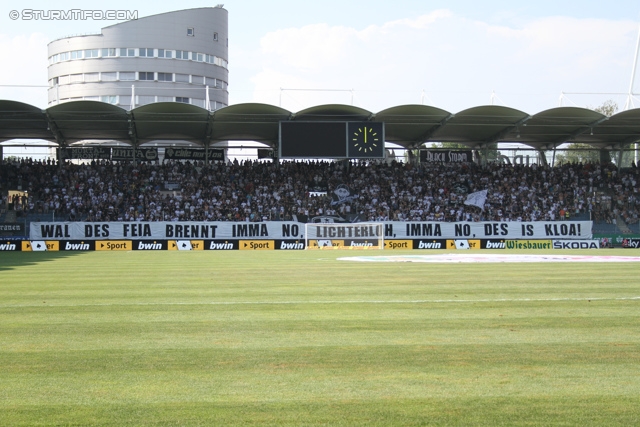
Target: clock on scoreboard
331 140
366 140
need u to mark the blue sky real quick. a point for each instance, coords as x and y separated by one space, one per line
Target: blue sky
375 54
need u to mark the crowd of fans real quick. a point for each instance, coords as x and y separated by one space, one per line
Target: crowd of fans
264 190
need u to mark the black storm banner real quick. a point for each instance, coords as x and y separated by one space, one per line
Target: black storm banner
448 156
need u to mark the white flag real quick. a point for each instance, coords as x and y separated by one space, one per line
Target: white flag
477 199
462 244
38 245
184 245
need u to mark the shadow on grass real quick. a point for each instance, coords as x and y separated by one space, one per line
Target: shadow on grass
13 260
522 411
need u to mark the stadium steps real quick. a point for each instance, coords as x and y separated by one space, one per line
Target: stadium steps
605 228
622 225
11 217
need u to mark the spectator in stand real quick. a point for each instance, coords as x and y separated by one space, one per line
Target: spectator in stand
262 191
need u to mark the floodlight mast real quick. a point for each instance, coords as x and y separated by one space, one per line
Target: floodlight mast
629 103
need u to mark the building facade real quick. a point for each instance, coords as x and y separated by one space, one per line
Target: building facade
179 56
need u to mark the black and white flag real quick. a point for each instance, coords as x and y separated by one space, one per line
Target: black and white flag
477 199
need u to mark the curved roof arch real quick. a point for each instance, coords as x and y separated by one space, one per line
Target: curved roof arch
478 126
170 121
79 120
550 128
20 120
407 125
330 112
411 125
616 131
249 121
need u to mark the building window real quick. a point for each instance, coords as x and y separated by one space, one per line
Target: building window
182 78
111 99
64 80
64 56
197 80
165 98
200 57
182 99
76 54
127 52
91 53
165 53
145 75
146 52
76 78
124 100
198 102
215 37
165 77
145 99
109 77
127 75
108 52
191 32
181 54
91 77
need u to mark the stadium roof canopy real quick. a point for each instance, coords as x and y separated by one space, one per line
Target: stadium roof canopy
409 126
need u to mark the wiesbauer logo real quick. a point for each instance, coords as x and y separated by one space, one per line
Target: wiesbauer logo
73 15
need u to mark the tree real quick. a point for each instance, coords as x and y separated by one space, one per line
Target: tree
608 108
450 146
579 153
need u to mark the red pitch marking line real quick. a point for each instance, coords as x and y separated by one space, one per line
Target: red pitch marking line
479 258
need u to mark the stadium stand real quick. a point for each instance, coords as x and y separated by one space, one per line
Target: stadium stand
365 191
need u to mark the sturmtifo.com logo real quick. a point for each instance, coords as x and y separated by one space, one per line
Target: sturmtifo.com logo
73 15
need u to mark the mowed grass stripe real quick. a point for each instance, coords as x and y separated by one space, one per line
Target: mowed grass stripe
245 339
500 411
324 373
325 302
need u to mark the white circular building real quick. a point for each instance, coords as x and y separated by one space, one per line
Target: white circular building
178 56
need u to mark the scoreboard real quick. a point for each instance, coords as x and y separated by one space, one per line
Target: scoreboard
331 140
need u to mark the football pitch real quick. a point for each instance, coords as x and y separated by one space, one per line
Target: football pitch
300 338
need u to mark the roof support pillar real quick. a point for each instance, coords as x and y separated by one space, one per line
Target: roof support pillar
133 137
619 162
208 133
60 140
543 157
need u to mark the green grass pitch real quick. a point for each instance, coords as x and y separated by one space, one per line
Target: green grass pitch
300 339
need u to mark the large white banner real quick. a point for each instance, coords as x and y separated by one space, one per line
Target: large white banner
567 230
